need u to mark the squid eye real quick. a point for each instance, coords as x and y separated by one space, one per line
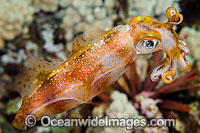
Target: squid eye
150 44
147 46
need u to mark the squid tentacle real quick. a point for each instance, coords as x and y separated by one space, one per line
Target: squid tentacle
168 76
184 64
161 68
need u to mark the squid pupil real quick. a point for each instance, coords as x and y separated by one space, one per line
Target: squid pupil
149 44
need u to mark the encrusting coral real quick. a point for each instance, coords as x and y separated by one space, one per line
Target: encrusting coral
46 5
120 107
49 45
80 16
15 16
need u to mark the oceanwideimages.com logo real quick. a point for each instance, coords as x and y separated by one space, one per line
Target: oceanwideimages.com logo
128 123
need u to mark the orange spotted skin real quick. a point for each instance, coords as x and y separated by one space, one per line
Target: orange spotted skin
96 63
75 79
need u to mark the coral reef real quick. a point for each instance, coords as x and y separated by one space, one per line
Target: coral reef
46 5
49 45
80 16
119 108
46 28
15 17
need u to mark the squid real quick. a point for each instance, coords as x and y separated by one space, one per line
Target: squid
98 59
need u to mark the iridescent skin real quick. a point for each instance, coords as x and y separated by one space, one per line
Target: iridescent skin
96 63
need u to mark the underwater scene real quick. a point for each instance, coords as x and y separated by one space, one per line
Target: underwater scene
99 66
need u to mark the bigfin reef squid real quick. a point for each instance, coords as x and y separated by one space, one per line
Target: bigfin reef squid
97 61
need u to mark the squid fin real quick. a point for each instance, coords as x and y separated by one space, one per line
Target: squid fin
83 39
33 74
